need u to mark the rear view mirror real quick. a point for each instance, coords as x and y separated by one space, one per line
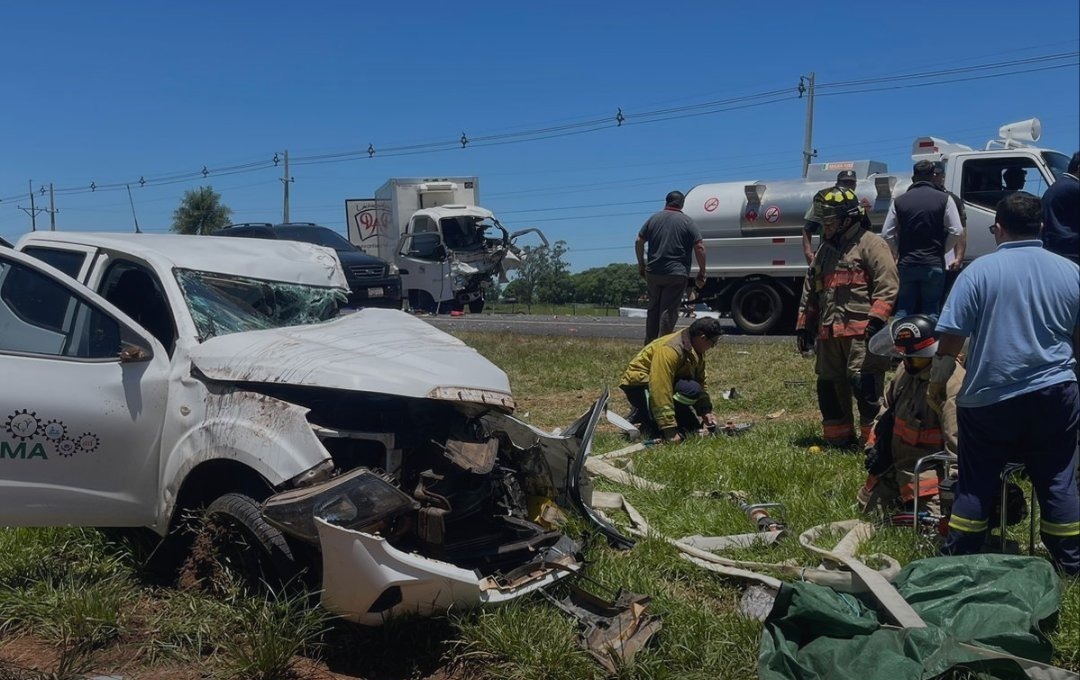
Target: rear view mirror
133 353
133 348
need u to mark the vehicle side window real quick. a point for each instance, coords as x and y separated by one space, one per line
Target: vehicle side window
40 316
426 246
137 292
985 181
67 261
423 224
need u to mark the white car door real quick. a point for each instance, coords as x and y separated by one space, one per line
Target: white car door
81 405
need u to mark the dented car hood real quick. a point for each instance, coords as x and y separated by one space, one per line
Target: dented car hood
373 350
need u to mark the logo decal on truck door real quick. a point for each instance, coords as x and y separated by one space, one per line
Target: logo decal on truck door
24 426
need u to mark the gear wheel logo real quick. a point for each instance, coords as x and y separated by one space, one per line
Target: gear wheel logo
88 442
66 448
55 430
23 424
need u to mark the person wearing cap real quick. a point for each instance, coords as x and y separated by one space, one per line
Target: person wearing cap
671 236
1020 306
922 225
847 296
845 179
906 428
1061 213
665 382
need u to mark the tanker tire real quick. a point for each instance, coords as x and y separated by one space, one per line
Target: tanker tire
757 308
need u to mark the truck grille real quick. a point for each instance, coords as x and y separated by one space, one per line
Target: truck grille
368 271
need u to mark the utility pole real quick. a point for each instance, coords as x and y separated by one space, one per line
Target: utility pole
808 150
33 211
52 209
286 180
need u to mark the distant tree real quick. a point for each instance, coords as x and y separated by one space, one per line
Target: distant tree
200 212
612 285
544 276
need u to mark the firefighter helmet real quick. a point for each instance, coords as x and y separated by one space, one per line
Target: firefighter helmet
911 336
837 202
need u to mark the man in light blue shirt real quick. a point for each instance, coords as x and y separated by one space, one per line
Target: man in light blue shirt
1020 306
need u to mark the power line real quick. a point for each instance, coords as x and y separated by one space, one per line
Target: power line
596 124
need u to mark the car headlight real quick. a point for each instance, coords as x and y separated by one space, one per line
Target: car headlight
355 501
393 270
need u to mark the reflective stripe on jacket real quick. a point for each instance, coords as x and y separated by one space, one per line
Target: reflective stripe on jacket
917 430
658 365
849 281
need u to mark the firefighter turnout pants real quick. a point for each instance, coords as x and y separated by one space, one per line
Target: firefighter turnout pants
845 369
1038 429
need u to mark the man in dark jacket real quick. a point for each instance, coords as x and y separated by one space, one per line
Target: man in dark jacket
1061 213
922 225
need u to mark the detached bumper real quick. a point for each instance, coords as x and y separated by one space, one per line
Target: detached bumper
367 580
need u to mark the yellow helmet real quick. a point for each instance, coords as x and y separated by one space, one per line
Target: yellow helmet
836 202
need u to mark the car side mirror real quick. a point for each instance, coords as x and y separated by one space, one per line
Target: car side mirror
131 353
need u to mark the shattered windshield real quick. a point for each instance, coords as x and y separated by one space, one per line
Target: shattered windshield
464 232
221 304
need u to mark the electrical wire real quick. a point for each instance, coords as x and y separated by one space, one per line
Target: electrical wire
596 124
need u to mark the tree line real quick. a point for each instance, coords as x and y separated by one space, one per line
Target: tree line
545 278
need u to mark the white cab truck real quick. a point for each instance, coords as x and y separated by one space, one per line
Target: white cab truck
753 229
448 248
148 377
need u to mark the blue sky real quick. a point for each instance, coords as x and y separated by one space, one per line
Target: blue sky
110 91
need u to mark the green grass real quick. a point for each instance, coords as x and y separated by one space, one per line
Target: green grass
78 590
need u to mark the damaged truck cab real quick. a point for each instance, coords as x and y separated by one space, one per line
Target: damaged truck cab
152 376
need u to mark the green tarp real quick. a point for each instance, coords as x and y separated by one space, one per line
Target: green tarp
1001 602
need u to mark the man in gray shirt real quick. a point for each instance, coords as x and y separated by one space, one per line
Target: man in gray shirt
671 236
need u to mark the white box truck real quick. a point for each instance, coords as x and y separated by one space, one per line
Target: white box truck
753 229
448 248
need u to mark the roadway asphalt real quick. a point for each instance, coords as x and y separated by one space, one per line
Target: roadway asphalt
577 326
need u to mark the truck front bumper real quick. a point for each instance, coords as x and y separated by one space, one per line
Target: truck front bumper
368 581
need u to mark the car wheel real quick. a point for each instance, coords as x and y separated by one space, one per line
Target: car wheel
757 307
235 538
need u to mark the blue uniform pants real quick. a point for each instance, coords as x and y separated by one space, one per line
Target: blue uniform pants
1038 429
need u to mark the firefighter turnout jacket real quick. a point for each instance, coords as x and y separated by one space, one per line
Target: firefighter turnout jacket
916 431
658 366
852 278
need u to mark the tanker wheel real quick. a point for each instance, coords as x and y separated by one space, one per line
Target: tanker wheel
757 308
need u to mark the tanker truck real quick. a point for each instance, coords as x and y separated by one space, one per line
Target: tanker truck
448 249
752 230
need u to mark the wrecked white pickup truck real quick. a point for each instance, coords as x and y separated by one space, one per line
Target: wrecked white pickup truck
151 376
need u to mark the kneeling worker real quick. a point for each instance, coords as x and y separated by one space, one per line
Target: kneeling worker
907 428
665 382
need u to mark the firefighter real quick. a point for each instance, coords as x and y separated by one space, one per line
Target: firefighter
907 428
847 297
665 382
